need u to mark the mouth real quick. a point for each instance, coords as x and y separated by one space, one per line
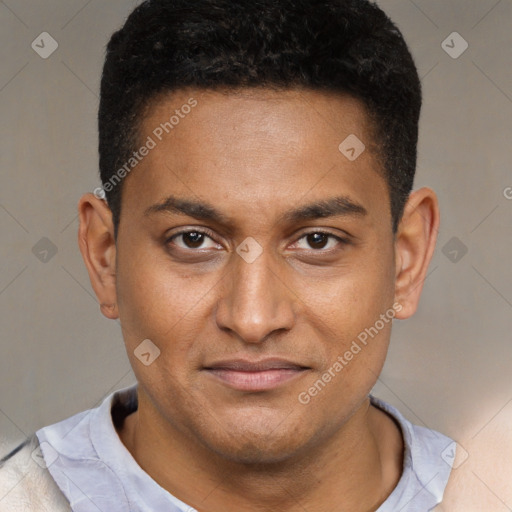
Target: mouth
263 375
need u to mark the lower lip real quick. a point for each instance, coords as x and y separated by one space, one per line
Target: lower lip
256 381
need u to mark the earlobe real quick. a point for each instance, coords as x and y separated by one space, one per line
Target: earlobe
414 246
97 245
110 310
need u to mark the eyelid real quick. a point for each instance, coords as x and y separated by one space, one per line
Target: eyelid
345 237
342 240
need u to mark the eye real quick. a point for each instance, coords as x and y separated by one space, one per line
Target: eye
192 239
321 241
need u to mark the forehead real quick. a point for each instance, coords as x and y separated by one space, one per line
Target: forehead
257 150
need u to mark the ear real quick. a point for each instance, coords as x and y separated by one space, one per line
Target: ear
415 242
97 245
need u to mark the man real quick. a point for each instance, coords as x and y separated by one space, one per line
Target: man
258 238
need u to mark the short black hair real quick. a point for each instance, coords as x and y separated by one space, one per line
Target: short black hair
342 46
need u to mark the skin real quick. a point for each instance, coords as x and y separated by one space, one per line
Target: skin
480 479
255 155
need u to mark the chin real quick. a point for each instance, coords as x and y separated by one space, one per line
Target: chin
252 446
257 453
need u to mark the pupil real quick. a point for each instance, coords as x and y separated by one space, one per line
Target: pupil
196 239
315 240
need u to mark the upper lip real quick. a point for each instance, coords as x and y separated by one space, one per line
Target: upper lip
245 365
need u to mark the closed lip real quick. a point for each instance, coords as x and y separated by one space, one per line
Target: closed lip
255 375
246 365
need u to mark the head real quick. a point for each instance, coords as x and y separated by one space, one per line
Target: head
258 161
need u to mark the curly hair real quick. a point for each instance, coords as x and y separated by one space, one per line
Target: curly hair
341 46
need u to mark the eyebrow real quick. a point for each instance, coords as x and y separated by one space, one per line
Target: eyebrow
332 207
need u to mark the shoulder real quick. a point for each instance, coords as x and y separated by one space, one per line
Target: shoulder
482 472
465 493
426 467
26 484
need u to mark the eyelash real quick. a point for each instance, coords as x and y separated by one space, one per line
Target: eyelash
209 234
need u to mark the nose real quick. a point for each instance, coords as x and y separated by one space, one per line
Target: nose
255 301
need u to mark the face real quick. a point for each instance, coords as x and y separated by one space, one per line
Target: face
253 253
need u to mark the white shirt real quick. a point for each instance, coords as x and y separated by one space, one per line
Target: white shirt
96 472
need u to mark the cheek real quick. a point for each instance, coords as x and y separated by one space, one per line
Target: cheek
154 300
156 305
356 313
350 303
354 358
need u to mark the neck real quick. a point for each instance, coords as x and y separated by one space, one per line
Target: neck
356 469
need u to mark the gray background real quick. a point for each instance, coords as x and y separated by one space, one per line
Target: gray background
448 366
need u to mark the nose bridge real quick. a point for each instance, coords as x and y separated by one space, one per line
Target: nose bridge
254 301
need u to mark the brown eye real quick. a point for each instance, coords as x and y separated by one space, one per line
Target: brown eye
317 240
321 241
192 239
